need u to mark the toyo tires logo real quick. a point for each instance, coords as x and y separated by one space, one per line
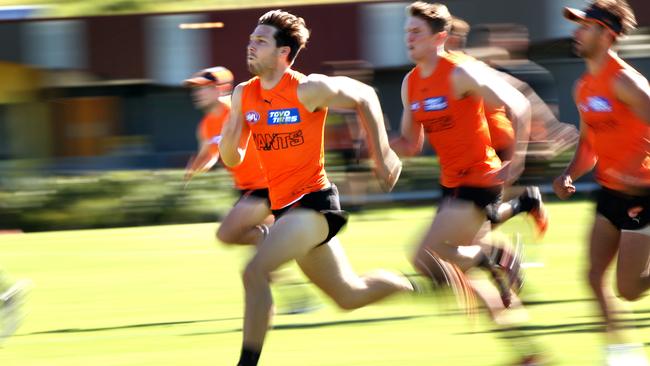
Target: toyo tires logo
283 116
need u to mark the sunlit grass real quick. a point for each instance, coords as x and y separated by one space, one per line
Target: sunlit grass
170 295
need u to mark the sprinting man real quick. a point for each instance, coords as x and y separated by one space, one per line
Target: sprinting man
248 221
613 100
443 99
282 113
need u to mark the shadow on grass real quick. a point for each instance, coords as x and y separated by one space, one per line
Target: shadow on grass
639 311
277 327
619 312
594 327
130 326
323 324
568 328
553 302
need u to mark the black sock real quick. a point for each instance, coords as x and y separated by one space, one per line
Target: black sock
484 261
526 202
249 357
491 259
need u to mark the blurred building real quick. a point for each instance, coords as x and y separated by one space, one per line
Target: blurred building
109 86
24 127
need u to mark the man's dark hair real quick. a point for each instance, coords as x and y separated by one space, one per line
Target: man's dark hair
436 15
291 31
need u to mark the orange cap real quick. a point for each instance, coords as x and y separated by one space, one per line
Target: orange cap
217 75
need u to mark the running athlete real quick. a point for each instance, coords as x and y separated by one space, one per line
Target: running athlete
443 97
613 100
247 222
503 138
282 113
249 219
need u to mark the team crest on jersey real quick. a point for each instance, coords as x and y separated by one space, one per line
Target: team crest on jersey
415 106
598 104
252 117
283 116
435 104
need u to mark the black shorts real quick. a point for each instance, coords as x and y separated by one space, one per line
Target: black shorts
325 202
262 193
624 211
482 197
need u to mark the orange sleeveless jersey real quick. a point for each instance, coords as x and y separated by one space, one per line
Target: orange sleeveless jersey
288 138
501 133
247 175
621 140
456 128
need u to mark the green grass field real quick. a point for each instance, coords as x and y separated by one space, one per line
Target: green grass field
169 295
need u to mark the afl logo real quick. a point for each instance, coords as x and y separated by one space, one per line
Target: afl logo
599 104
252 117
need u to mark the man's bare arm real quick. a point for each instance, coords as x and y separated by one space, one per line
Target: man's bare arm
232 154
411 138
320 91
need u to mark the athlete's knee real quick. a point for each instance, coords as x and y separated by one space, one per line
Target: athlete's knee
227 235
437 250
421 262
349 293
254 275
629 291
347 304
347 300
430 265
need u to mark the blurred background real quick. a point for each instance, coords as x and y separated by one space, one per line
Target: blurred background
95 127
